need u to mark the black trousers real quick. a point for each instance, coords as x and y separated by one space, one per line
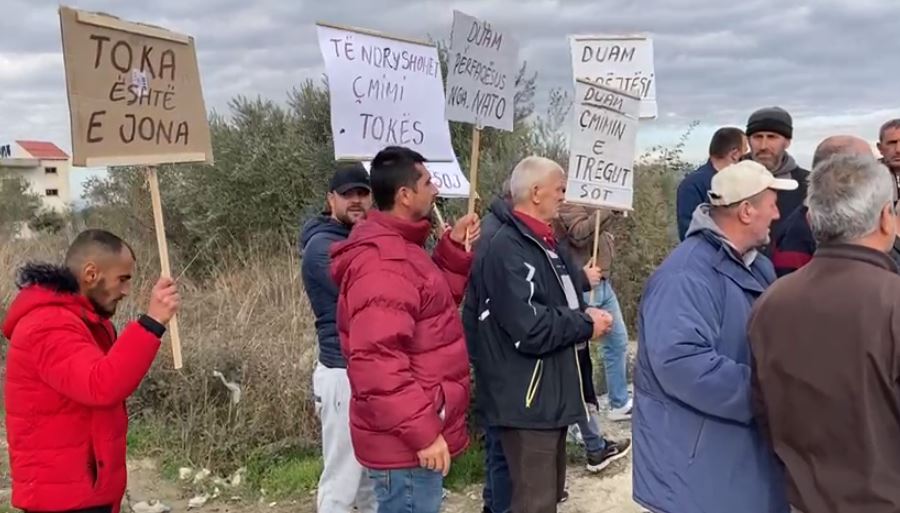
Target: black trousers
96 509
537 468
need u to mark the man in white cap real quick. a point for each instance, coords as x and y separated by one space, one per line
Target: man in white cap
696 446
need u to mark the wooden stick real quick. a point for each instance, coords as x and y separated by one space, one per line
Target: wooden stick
440 219
165 270
596 249
473 176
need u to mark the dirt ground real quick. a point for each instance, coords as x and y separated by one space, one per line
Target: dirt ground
608 492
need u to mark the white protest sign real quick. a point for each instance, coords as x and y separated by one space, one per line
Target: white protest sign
620 62
385 91
601 147
446 176
481 74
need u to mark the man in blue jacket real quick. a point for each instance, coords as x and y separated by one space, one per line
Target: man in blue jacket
344 481
727 146
696 446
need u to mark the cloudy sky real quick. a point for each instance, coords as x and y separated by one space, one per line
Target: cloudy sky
832 63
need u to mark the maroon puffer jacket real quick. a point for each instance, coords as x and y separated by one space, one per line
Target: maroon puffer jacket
403 339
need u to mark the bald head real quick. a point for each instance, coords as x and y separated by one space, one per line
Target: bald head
841 145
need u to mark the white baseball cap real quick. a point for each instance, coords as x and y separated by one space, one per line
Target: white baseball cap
743 180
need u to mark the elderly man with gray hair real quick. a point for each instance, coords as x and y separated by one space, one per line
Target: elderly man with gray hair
826 346
526 319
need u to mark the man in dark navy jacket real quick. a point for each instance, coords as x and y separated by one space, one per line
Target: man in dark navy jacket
727 146
795 245
344 481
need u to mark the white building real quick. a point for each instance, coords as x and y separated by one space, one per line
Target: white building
44 166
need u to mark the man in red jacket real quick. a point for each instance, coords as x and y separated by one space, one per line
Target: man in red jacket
402 336
67 376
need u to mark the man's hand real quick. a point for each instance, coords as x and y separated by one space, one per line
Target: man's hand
594 274
468 222
164 301
436 456
602 321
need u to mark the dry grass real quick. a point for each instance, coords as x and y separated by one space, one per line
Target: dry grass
251 322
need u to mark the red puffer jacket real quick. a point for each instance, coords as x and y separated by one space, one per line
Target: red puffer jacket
403 339
66 383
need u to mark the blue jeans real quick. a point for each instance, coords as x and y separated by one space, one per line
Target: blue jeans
591 433
615 344
497 492
410 490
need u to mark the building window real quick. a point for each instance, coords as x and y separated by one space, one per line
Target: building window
52 192
50 170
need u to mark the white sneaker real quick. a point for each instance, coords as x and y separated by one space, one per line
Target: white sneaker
621 414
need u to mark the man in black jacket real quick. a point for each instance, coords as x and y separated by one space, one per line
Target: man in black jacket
794 246
497 490
344 481
527 315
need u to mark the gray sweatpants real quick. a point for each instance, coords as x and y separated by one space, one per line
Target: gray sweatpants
344 481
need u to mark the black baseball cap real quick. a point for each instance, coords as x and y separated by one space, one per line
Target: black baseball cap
349 176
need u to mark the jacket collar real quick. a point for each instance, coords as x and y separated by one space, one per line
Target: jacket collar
702 223
858 253
413 231
743 270
503 210
749 278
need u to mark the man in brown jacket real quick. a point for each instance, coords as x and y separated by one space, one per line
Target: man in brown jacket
575 227
826 347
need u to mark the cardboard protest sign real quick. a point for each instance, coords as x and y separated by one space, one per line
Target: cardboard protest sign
601 147
481 74
134 93
620 62
447 177
384 91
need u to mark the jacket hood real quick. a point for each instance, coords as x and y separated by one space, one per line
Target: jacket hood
322 224
380 231
788 165
503 211
44 285
703 223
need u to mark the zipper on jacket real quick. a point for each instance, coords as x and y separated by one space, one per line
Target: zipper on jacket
534 383
587 413
93 467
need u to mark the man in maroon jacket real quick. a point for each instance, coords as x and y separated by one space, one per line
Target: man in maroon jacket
67 376
403 338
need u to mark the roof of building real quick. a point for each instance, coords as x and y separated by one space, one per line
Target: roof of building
43 150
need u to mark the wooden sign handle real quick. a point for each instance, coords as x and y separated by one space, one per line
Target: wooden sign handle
473 176
165 270
596 249
440 219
